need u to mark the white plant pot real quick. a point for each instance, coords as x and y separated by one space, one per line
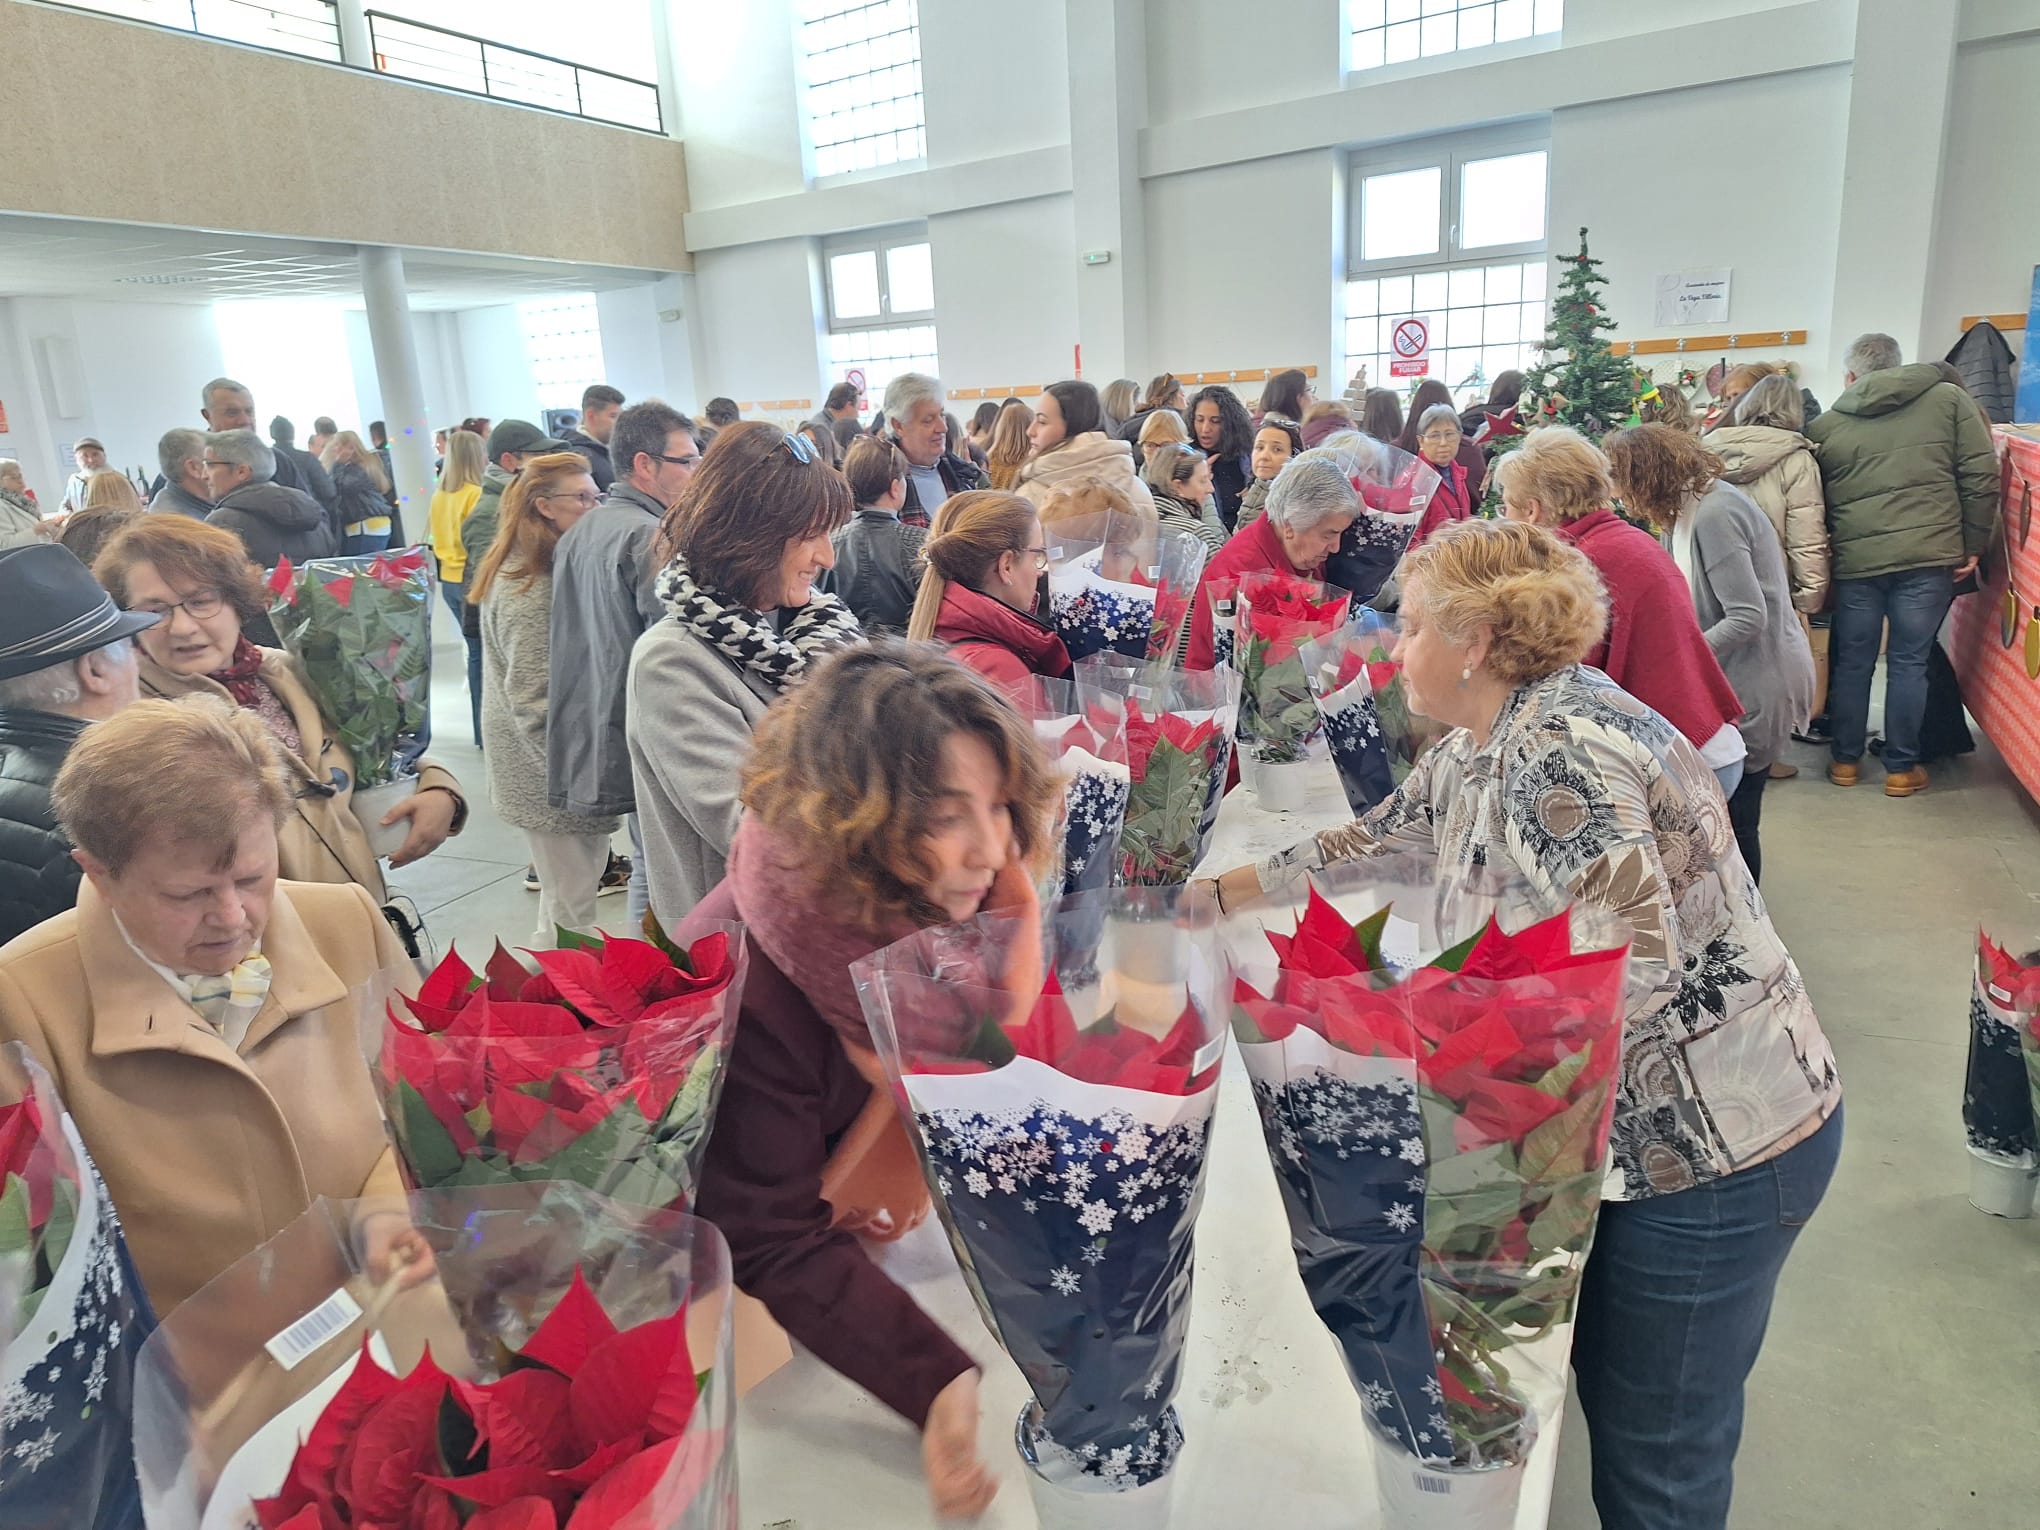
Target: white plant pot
1060 1507
1415 1497
1285 787
1150 950
2002 1187
369 805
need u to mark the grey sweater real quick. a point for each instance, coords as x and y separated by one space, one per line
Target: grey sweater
691 715
516 680
1744 602
603 600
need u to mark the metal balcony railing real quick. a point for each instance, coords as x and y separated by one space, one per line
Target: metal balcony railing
413 50
308 28
409 50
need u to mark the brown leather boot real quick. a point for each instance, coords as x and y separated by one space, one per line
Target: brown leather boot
1904 783
1841 774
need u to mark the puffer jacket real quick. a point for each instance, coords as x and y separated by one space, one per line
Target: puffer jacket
1090 455
1777 469
1910 476
1988 370
275 522
38 878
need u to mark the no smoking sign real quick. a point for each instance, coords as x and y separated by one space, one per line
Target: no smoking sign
1411 344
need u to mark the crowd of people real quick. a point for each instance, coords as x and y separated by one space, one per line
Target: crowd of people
782 661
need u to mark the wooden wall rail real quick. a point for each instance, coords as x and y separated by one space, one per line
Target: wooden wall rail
1764 339
1187 379
2010 323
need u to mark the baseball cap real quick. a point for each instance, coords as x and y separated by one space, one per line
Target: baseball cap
520 436
85 441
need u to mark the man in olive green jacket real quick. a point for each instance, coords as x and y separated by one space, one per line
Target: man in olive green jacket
1912 495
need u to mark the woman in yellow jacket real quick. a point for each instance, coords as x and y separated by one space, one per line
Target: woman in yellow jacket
460 485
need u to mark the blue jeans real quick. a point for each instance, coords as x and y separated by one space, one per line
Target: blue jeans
1672 1313
354 545
1914 602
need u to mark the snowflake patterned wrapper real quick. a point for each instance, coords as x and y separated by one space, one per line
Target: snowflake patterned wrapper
1118 584
1438 1134
362 630
1085 736
78 1322
1361 701
2001 1093
571 1357
1067 1158
1276 614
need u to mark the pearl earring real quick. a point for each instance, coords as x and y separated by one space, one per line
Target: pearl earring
1466 674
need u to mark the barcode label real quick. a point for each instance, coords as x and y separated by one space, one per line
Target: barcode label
2001 995
299 1341
1434 1485
1208 1054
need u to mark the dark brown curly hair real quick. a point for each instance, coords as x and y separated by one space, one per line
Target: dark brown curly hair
850 766
1657 468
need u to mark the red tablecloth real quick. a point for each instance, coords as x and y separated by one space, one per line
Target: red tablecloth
1995 687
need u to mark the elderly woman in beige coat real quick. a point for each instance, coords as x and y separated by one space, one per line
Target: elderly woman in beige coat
193 1009
1763 453
199 580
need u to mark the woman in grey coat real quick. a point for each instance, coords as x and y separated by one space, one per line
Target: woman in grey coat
744 623
569 851
1726 547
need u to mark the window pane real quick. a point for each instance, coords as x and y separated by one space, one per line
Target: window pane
853 284
1367 50
1512 20
1395 294
1534 274
1429 291
1441 34
1403 10
1501 201
1404 42
1399 213
1550 15
1476 26
1360 299
1504 283
1362 14
1466 287
909 278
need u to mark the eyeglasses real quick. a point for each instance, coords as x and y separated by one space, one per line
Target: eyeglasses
802 448
213 462
1040 555
687 461
1440 437
586 501
199 605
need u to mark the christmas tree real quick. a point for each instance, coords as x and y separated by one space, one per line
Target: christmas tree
1580 382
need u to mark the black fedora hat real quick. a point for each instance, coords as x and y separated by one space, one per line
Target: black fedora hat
52 609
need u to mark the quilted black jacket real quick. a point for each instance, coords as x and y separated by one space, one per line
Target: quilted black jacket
38 878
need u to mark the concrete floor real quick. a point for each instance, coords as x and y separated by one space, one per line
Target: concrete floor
1900 1386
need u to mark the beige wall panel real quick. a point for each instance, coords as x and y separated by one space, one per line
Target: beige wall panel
106 120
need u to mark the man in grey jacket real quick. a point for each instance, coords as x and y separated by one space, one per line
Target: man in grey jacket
603 601
181 455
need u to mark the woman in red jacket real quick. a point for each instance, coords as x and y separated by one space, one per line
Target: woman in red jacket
891 792
986 554
1430 393
1310 506
1654 649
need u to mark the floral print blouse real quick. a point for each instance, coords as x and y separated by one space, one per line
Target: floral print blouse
1594 798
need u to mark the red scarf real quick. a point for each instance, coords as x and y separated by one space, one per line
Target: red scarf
243 675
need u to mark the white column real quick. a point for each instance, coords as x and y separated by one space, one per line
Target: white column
1108 104
1891 179
357 47
403 389
668 74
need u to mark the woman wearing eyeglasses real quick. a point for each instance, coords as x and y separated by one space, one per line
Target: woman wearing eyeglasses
744 624
198 579
985 557
514 589
1438 438
1429 393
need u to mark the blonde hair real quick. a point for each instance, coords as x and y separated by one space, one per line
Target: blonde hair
364 457
193 770
972 531
526 540
464 461
1010 447
1540 599
1076 498
1164 426
108 489
1670 407
1559 468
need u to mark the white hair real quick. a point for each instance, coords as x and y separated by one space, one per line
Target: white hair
221 385
1872 353
1312 487
245 449
178 447
58 685
909 389
9 468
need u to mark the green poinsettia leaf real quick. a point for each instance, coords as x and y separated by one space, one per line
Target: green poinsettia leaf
14 1234
574 940
1453 958
426 1147
1368 933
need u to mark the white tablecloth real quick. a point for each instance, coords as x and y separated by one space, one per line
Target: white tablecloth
1275 1435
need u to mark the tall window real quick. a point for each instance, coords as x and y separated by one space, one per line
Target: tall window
563 343
863 83
881 309
1454 234
1395 31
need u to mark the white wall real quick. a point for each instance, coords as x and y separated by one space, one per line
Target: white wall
439 370
1006 293
499 381
1745 174
994 79
1989 220
739 99
1211 56
759 332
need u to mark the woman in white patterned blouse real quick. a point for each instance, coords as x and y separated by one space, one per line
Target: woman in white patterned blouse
1728 1123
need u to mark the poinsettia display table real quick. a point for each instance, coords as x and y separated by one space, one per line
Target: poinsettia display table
1275 1434
1996 689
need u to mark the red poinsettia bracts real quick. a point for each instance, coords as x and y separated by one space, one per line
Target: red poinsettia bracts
587 1431
601 1068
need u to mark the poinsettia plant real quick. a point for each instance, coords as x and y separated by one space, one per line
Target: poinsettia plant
602 1068
361 628
1456 1114
1275 614
1361 699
